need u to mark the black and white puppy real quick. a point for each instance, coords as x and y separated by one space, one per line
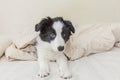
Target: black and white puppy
54 33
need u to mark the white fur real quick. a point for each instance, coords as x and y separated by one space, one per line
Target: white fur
58 40
48 51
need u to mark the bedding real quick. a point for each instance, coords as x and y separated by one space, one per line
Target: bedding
20 46
93 38
28 53
102 66
5 42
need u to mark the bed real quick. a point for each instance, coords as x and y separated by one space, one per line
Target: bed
101 66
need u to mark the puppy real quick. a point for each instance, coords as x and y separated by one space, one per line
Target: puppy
51 42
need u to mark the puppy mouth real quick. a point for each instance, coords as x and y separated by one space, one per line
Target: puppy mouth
59 51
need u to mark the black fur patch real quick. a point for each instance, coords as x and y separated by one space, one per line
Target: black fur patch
65 33
44 24
48 34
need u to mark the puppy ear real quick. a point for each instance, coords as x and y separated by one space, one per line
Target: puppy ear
37 28
69 24
45 22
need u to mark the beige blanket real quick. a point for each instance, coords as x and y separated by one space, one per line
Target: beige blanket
21 47
87 39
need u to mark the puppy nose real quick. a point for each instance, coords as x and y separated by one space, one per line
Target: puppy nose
61 48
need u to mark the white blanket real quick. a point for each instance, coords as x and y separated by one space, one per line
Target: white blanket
101 66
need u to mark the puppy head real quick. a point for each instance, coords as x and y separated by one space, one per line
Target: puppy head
55 31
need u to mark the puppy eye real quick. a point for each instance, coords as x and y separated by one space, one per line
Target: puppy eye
52 35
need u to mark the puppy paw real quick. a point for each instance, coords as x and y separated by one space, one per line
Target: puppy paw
43 73
65 75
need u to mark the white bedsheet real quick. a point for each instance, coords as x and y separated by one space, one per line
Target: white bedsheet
100 66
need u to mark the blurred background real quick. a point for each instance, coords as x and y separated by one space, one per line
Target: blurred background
16 15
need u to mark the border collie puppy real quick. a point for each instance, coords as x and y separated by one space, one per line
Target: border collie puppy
54 33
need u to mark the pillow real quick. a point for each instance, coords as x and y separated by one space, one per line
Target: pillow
92 38
5 42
